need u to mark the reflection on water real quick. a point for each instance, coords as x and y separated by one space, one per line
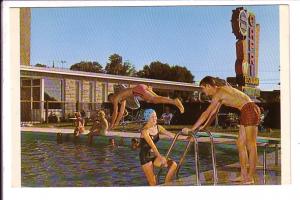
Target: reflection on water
49 163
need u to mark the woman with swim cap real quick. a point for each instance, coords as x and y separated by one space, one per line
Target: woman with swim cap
149 137
142 91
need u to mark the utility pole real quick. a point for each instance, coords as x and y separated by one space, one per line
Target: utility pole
62 63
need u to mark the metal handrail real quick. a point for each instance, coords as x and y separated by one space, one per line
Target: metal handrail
213 154
197 164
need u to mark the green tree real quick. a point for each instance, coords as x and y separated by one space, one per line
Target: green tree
156 70
163 71
117 67
181 74
40 65
87 67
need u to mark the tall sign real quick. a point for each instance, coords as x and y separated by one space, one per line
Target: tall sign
246 32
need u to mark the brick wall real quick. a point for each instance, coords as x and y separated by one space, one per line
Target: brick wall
70 96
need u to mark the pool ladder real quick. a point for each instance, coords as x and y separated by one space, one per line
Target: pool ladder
193 136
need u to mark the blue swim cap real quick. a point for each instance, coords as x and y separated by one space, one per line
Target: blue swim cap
148 113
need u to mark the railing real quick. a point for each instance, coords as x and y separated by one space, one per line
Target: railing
193 136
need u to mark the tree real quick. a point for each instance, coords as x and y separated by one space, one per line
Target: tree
40 65
181 74
117 67
87 67
163 71
156 70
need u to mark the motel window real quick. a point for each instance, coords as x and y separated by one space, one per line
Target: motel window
25 93
30 92
36 82
53 92
78 90
36 97
53 89
26 82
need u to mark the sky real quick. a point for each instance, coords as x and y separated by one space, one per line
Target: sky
197 37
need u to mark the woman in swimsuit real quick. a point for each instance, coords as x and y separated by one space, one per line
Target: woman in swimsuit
149 154
142 91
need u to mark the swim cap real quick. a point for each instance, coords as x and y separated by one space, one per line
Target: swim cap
148 113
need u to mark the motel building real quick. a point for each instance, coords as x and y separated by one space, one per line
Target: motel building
53 91
46 91
49 91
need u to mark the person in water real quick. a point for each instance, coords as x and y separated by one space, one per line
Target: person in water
144 92
79 124
150 156
223 94
99 127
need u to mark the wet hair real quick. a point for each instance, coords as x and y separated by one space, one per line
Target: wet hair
213 81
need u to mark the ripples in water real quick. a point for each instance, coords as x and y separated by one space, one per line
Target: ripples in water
47 163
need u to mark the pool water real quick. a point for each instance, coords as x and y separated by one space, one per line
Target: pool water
47 163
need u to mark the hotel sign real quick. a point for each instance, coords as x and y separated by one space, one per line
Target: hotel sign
246 32
248 80
250 91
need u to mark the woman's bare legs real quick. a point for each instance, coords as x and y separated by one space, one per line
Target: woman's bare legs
171 172
149 172
152 97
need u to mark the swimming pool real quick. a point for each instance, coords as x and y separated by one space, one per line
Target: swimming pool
46 163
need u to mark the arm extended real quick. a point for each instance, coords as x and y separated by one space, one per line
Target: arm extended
114 115
208 115
121 112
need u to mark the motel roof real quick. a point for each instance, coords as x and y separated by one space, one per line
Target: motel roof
40 72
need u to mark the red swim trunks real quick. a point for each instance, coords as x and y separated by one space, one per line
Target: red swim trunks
139 90
250 114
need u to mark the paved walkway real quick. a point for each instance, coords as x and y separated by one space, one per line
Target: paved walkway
230 138
226 174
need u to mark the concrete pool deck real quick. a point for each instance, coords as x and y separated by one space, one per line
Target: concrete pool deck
227 173
224 138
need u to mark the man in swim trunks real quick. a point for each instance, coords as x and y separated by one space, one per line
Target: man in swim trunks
223 94
142 91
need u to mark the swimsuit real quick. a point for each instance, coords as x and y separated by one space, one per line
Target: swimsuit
145 152
250 115
139 90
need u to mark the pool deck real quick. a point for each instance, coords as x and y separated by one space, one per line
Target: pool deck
228 173
224 138
225 174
